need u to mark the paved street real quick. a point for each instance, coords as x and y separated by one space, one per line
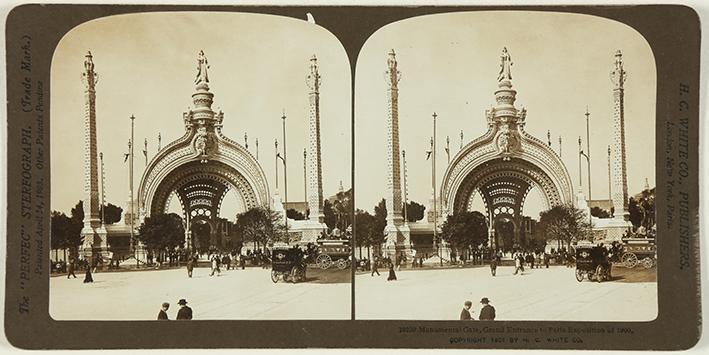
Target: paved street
236 294
539 294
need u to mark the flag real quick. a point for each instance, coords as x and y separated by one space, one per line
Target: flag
428 154
125 157
145 152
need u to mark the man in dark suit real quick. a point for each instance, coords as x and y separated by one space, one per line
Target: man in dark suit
185 312
162 315
488 311
465 313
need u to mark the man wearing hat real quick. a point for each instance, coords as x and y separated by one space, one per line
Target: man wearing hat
163 311
185 312
488 311
465 313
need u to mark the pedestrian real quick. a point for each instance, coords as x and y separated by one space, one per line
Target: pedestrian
398 263
392 274
375 267
190 266
70 268
226 261
242 262
420 262
488 311
87 277
518 264
215 265
185 312
493 265
465 313
162 315
546 260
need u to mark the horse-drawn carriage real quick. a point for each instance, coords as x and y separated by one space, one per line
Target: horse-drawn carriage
333 252
638 251
288 263
592 263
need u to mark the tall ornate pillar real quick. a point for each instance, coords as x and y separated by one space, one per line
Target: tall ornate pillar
314 226
619 173
93 233
397 233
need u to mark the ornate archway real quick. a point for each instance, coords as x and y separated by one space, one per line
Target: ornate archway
504 164
202 166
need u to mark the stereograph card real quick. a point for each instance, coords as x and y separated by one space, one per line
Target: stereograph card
352 177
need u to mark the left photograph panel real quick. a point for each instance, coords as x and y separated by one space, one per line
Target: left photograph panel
200 167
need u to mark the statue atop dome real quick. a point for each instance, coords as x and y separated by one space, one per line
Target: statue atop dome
505 73
202 66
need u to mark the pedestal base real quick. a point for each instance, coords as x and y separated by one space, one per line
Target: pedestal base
310 231
614 228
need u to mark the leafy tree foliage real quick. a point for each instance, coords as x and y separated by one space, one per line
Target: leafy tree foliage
260 225
636 215
112 215
162 231
465 229
565 223
338 213
60 229
414 211
599 212
364 227
295 214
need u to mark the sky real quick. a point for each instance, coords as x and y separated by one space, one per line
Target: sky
147 64
449 64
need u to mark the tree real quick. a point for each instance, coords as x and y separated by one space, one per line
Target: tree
261 225
364 227
414 211
465 229
329 214
76 224
112 215
565 223
295 214
380 222
60 229
600 213
162 231
636 214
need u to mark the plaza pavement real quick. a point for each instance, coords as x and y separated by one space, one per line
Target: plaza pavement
428 294
538 294
236 294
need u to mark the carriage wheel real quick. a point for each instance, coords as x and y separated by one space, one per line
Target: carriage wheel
630 260
579 275
648 263
599 273
342 264
274 276
324 261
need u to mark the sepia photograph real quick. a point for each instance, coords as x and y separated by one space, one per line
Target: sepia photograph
201 166
505 169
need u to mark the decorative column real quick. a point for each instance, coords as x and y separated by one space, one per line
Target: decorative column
619 172
397 234
315 225
94 236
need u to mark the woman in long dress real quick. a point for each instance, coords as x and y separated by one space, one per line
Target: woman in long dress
88 278
392 274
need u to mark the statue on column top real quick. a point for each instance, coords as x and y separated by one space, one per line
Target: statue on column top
505 73
202 66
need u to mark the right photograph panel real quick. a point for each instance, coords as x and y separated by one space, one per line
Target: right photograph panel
505 169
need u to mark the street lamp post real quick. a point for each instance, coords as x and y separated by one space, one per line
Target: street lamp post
406 197
588 152
435 199
285 172
581 153
610 197
131 145
256 148
103 192
305 175
278 155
